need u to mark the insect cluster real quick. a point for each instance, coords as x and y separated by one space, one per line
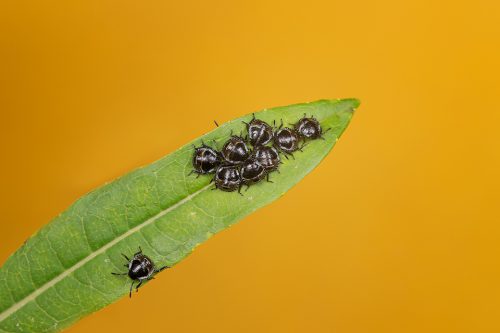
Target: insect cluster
238 164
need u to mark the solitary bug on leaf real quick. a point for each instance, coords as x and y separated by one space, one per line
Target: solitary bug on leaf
259 132
140 268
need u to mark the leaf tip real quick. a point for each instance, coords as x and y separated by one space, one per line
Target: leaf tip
354 103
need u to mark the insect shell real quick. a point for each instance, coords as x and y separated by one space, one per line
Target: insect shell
227 178
259 132
286 140
235 150
205 160
308 128
252 172
268 157
140 268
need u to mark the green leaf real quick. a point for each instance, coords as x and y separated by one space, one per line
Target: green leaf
62 273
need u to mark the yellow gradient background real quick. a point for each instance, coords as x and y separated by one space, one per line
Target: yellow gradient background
396 231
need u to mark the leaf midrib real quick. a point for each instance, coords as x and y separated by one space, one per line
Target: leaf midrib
32 296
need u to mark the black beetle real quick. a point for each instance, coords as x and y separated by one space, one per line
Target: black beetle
286 140
205 160
309 128
235 150
227 178
259 132
268 157
252 172
140 268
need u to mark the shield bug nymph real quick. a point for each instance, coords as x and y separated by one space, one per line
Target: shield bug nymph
235 150
252 172
309 128
286 140
259 132
227 178
140 268
268 157
205 160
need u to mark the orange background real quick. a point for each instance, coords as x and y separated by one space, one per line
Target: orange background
396 231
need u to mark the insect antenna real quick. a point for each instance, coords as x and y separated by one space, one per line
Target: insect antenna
160 269
325 132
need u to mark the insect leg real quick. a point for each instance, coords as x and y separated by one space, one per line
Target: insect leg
137 287
267 179
131 286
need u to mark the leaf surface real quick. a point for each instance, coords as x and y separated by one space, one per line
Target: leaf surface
62 273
